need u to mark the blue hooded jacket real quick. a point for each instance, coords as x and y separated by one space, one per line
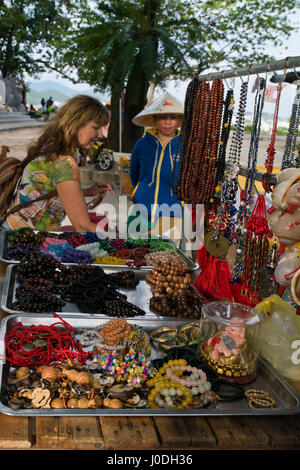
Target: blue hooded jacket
151 170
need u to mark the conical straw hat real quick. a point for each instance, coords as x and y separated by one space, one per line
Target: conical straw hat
164 104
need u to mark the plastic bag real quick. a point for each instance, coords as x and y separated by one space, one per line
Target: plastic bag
279 341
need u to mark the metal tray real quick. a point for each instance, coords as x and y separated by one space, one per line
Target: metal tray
268 379
191 265
139 296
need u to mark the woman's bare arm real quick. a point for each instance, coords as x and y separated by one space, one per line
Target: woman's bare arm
72 198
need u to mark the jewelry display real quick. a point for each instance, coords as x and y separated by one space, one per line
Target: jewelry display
172 294
199 152
288 159
259 399
245 203
271 148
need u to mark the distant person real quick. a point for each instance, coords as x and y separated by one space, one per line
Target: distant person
49 104
43 104
32 111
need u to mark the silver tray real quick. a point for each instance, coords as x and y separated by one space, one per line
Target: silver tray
191 265
287 400
139 296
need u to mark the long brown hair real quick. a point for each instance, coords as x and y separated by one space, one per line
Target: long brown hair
59 137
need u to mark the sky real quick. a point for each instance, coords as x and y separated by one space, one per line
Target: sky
178 89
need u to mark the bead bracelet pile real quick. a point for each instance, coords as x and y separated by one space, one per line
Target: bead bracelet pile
259 399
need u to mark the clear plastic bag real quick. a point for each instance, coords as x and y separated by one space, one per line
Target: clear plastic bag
280 336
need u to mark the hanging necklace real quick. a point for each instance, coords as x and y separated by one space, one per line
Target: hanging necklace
288 159
182 140
205 164
271 148
227 118
244 209
230 185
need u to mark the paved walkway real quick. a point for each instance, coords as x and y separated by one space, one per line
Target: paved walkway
7 126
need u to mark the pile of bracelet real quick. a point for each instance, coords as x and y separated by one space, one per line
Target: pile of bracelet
88 248
172 292
170 388
113 336
259 399
166 338
132 367
42 279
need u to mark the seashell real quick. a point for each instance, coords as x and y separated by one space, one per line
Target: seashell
96 402
21 374
83 378
72 403
57 403
295 287
71 374
50 373
83 402
113 403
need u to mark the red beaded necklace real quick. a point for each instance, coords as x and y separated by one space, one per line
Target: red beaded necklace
58 344
271 148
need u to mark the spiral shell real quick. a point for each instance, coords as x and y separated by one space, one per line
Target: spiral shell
50 373
72 403
83 378
57 403
22 373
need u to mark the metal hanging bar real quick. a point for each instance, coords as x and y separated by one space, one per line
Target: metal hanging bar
269 66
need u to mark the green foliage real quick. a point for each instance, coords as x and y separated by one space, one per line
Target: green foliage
171 38
28 30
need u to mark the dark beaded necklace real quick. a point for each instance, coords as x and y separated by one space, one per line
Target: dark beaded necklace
288 159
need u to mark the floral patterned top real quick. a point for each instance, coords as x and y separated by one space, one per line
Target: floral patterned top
41 177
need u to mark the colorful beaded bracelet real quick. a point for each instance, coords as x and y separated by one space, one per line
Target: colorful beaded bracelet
187 382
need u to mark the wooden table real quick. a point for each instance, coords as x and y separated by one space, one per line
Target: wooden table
154 433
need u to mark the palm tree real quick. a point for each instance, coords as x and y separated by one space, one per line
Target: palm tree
124 45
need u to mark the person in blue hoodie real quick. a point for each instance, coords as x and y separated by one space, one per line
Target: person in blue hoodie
152 171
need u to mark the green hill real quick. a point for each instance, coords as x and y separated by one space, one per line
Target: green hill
34 97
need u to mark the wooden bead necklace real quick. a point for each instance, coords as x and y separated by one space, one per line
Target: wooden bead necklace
200 142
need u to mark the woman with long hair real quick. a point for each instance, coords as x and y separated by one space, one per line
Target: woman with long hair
50 182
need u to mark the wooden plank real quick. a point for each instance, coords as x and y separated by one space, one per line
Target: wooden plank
200 432
66 432
129 432
172 431
15 432
47 432
283 431
238 432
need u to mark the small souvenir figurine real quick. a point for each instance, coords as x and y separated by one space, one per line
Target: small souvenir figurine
229 351
284 220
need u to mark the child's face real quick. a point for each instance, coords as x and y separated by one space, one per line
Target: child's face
167 124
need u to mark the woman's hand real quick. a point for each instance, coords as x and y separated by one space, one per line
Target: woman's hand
99 190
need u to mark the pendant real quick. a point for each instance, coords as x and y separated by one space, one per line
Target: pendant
216 245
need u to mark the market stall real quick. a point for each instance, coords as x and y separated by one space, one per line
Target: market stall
147 348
